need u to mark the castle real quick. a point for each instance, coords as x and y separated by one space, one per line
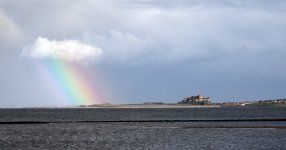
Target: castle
198 100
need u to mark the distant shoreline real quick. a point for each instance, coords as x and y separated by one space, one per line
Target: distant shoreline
148 106
169 106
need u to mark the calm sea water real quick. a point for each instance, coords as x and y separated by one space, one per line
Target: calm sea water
164 128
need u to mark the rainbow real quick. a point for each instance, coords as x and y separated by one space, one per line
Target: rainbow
71 82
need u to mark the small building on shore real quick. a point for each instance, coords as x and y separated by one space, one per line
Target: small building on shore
196 100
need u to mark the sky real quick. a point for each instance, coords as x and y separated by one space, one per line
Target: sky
136 51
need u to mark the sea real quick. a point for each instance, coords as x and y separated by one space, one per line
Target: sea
221 128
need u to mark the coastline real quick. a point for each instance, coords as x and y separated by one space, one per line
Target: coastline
148 106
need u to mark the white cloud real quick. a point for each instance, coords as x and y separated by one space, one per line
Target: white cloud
66 50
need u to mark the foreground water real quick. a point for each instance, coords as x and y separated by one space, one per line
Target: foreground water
143 128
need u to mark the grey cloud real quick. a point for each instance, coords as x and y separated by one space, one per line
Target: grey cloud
10 32
175 36
151 31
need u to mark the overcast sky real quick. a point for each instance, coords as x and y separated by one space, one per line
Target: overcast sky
148 50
